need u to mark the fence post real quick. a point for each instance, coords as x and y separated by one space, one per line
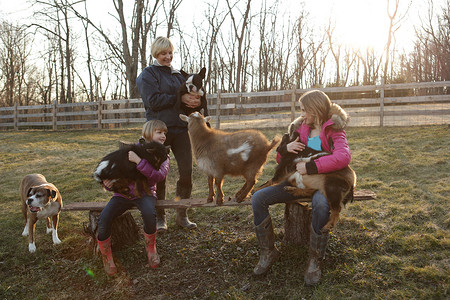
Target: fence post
240 106
293 105
127 105
54 117
382 103
219 100
99 113
16 117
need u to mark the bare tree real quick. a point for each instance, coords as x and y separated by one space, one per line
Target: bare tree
371 63
309 51
394 25
150 25
239 34
335 49
434 44
56 14
14 52
170 15
350 57
316 67
127 51
131 57
276 45
215 21
237 58
48 77
343 62
264 49
90 91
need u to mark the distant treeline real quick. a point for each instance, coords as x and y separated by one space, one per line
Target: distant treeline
239 42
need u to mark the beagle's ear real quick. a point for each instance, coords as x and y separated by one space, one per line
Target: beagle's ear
51 192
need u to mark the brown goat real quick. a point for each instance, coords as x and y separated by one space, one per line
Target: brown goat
219 153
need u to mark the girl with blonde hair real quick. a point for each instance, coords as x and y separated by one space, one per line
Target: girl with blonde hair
320 127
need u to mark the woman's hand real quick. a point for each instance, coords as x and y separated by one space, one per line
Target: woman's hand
108 183
295 146
191 101
301 168
133 157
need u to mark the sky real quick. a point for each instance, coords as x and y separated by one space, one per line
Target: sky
358 23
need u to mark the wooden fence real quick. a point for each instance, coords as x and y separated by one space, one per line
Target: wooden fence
378 105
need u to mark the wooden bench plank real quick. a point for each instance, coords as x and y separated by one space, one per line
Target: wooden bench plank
183 203
359 195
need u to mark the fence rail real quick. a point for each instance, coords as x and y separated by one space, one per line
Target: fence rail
377 105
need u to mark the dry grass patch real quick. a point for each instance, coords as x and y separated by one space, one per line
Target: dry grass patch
395 247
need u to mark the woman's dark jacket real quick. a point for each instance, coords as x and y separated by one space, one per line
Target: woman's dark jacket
158 87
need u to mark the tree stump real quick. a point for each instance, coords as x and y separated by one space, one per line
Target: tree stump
297 223
125 231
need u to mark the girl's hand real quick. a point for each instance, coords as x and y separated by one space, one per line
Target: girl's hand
295 146
301 168
191 101
133 157
108 183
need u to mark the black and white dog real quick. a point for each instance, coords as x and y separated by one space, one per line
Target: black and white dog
194 86
116 166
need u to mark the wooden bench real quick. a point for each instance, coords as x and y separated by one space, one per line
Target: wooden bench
126 232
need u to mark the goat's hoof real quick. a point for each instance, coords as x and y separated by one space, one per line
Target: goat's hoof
209 200
219 202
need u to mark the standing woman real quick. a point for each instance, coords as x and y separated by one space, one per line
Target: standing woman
320 127
158 85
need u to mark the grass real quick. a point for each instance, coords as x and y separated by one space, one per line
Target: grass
394 247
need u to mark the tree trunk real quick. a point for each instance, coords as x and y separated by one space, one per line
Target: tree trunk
297 223
125 231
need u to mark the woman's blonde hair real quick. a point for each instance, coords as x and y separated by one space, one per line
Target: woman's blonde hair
150 127
317 104
161 44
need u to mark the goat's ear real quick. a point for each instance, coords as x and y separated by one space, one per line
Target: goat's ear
202 73
207 119
184 117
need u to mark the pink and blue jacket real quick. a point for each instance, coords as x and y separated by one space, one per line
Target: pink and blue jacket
332 137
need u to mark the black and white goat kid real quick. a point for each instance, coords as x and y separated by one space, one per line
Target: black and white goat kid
193 86
116 166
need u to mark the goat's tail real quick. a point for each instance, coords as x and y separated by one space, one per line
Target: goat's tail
274 142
